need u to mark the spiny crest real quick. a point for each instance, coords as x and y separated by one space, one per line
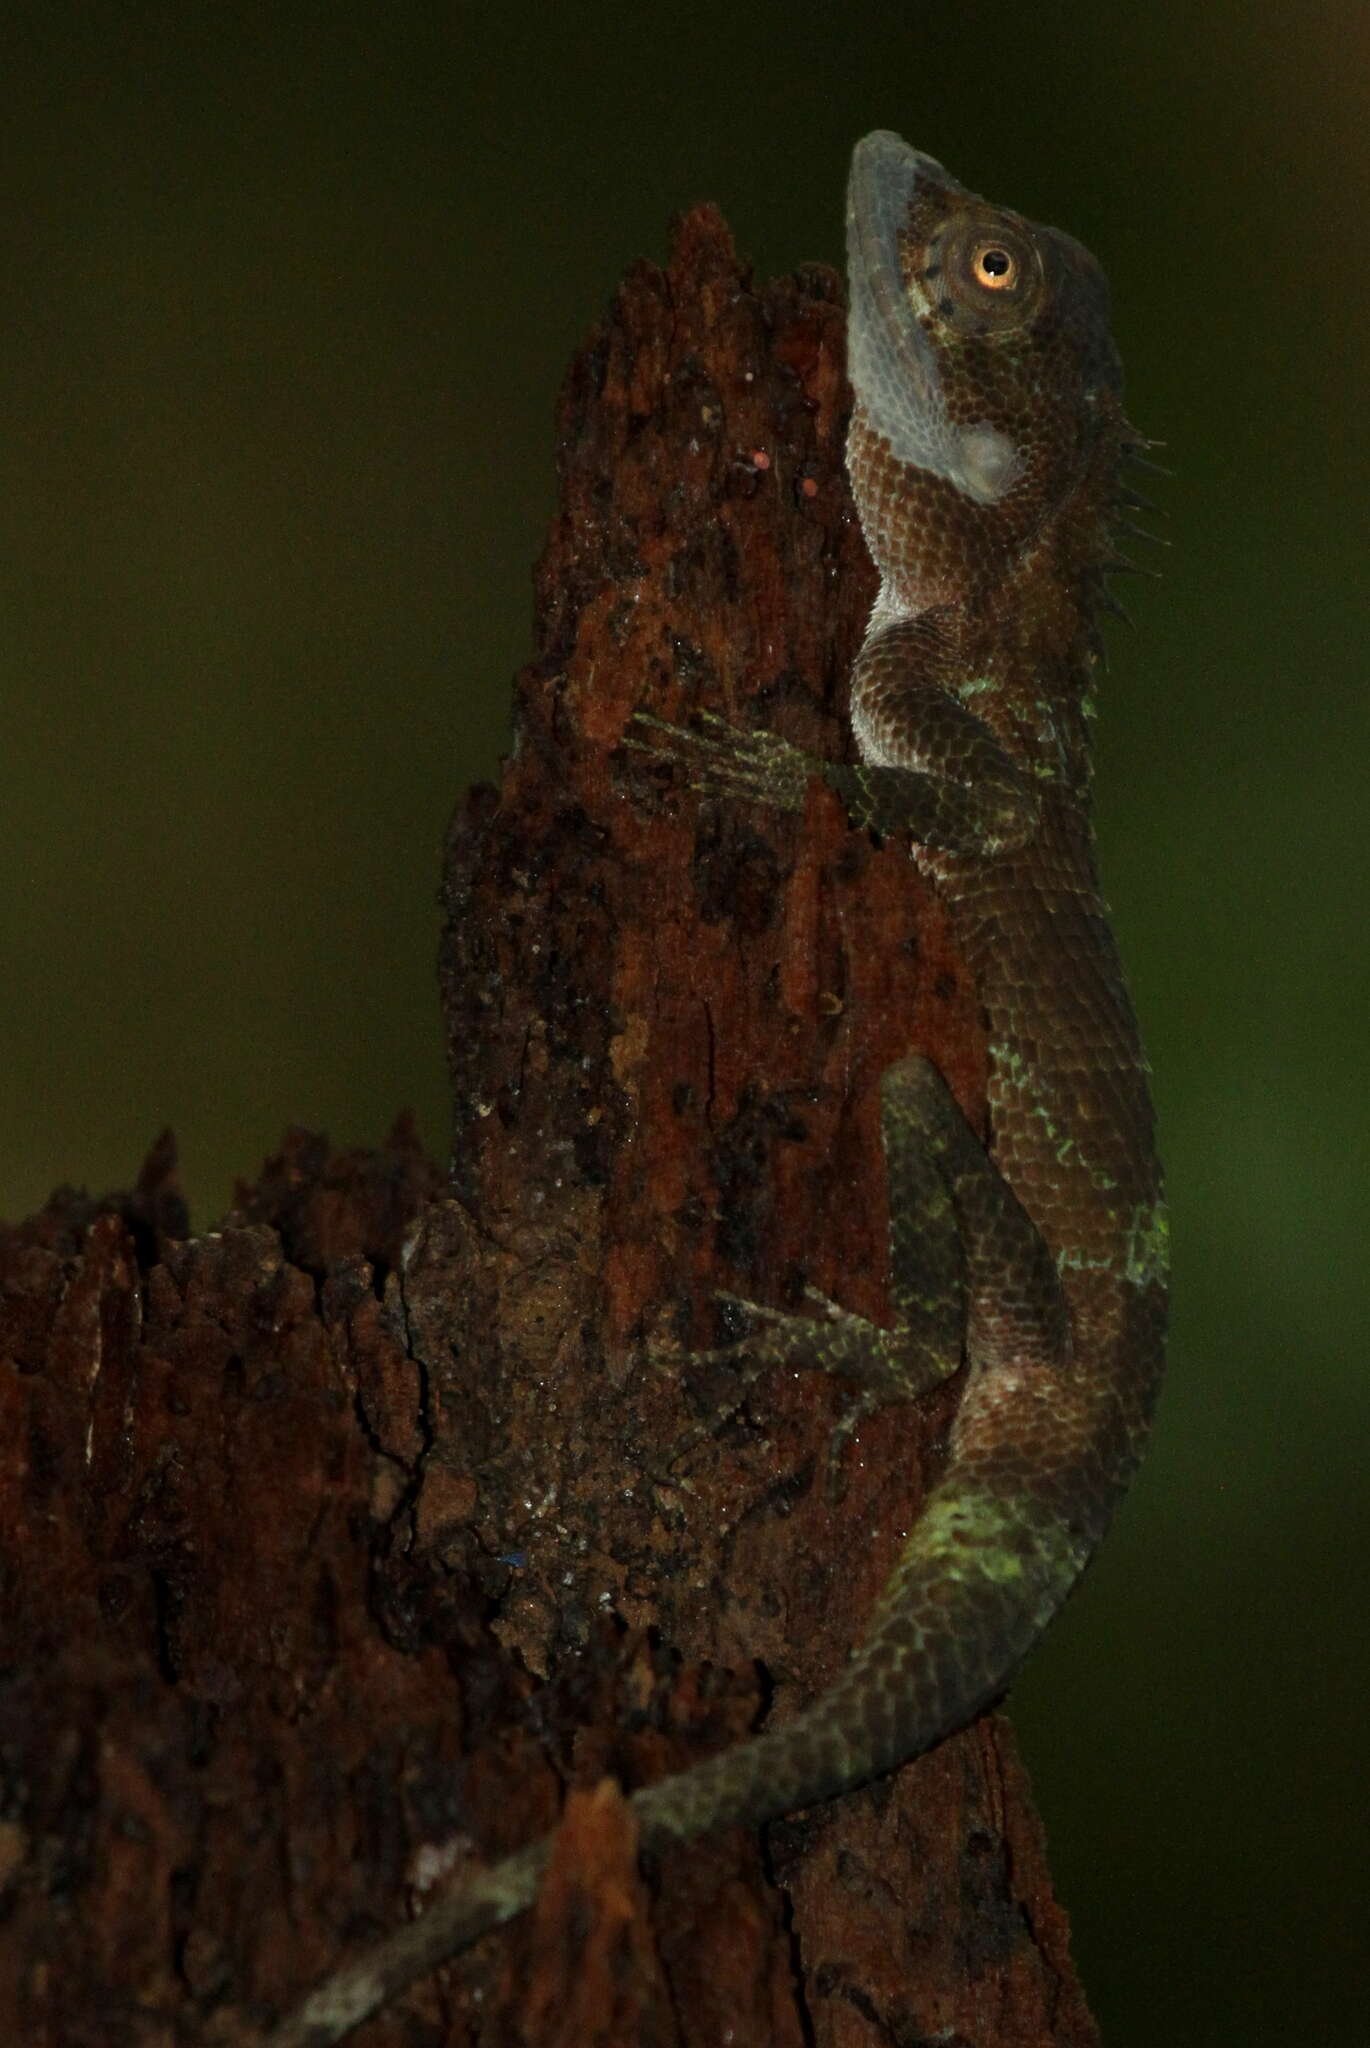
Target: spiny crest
1117 520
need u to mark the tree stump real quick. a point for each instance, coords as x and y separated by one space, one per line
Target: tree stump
339 1543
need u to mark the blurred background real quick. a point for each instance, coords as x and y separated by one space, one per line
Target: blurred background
287 300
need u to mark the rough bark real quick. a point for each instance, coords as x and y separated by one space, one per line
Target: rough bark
337 1545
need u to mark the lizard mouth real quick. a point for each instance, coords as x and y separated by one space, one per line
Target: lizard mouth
893 361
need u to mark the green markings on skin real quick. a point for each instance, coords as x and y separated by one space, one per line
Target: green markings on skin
1070 1259
972 1537
1011 1064
1148 1244
1145 1255
1067 1151
1018 1074
1048 769
1042 770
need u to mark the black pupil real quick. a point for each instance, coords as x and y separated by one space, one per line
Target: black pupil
995 262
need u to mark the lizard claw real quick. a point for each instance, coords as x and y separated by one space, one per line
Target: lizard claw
723 760
833 1311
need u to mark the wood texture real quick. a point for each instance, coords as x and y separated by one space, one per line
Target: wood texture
337 1544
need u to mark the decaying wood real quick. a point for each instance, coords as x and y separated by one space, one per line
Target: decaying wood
339 1543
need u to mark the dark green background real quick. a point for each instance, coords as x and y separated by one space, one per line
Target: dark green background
286 305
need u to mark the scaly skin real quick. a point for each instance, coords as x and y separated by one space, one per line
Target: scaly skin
985 452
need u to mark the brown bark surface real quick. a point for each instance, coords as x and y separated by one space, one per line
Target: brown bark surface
336 1545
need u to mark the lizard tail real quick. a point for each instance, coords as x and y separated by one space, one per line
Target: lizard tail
978 1581
454 1920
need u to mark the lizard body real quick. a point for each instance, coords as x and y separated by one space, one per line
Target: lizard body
985 450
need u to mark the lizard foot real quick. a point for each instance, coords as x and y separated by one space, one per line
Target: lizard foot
886 1365
745 1373
723 760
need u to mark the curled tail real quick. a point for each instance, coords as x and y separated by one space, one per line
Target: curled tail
976 1584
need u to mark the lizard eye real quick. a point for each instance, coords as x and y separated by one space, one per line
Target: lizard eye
991 271
994 267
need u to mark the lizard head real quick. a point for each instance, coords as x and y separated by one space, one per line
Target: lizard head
989 418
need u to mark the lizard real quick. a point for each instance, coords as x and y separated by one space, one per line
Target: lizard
986 451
